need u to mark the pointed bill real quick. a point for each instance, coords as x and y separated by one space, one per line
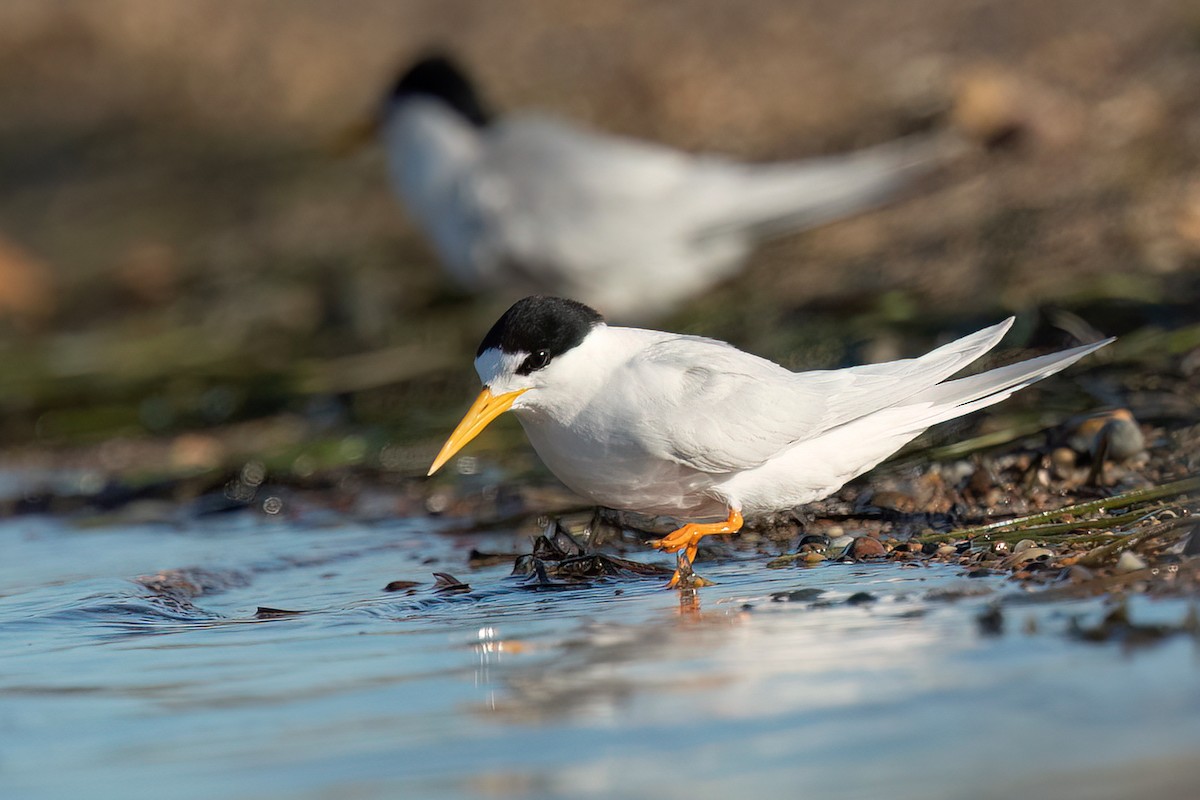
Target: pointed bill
486 408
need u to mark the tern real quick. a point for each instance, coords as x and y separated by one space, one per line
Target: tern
695 429
525 203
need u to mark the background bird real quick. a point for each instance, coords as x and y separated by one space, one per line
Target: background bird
524 202
693 428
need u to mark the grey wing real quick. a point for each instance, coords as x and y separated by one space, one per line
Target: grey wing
721 410
553 193
717 409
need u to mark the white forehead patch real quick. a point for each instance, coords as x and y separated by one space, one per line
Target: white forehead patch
494 365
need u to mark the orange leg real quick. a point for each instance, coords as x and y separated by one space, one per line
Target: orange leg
687 537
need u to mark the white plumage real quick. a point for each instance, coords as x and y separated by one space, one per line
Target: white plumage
694 428
525 203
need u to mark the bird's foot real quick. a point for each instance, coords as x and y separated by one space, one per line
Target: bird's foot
684 541
690 535
684 577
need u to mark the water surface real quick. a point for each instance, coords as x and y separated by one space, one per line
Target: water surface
772 683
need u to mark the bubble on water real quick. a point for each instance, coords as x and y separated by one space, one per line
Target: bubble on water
90 482
353 448
254 473
304 465
392 457
240 491
272 505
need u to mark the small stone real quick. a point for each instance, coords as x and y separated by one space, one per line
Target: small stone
988 105
867 547
1130 562
1062 460
813 557
1027 555
841 542
894 501
1120 439
813 540
991 621
860 598
1023 545
1112 434
796 595
947 550
982 481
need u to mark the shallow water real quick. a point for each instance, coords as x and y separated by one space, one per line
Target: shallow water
109 689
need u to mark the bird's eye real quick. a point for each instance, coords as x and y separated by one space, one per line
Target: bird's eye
534 361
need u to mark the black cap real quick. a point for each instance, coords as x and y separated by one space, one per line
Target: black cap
439 77
543 327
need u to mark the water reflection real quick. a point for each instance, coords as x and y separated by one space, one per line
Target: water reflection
741 654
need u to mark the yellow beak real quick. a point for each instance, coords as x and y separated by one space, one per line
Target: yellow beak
487 407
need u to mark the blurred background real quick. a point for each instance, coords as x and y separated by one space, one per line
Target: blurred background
189 277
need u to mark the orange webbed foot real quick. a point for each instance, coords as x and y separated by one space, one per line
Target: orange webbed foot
686 539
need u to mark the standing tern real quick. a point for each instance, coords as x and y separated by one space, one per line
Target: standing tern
526 203
693 428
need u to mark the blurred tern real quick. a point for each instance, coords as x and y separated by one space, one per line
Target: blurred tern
526 203
695 429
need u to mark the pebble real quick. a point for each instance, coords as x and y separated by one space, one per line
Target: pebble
1062 459
947 550
867 547
1130 562
1028 554
991 621
1120 439
988 105
813 557
1112 434
841 542
1023 545
796 595
813 540
894 501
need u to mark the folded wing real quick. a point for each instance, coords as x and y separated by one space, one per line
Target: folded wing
728 410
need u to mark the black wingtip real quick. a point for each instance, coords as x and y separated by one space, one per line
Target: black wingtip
439 75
